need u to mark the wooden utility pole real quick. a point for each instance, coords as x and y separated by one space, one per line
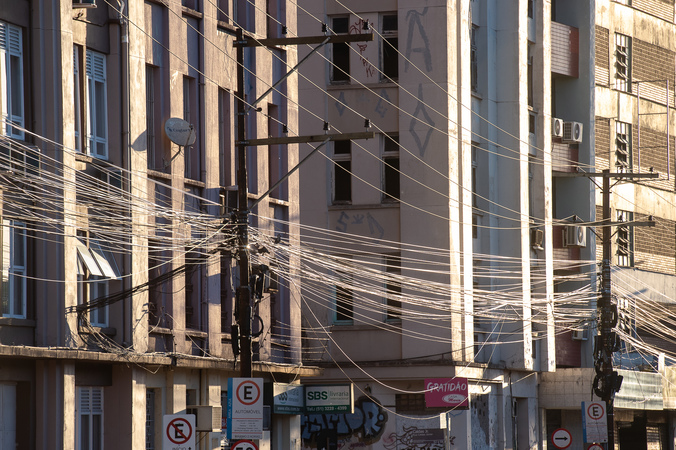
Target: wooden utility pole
607 381
243 302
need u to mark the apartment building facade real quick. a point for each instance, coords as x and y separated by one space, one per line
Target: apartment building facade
451 196
119 268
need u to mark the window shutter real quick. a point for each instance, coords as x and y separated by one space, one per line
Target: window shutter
85 401
14 43
97 400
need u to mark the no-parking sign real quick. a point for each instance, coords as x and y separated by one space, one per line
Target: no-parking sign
178 432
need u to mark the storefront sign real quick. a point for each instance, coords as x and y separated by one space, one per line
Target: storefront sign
446 393
329 399
287 398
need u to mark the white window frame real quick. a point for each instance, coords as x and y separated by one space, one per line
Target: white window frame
89 406
628 259
623 59
14 272
77 98
97 127
623 146
11 79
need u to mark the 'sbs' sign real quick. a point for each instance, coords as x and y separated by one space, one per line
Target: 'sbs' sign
446 393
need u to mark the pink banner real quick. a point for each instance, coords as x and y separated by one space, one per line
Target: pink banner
446 393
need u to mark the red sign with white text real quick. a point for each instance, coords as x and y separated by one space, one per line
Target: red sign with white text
446 393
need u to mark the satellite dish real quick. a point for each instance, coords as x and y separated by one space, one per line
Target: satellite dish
180 132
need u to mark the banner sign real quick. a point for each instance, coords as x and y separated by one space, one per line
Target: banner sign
287 398
446 393
337 398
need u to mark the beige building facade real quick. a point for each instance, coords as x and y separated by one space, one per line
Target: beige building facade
118 268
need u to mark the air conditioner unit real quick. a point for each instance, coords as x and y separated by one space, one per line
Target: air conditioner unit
557 127
536 237
575 236
207 418
84 3
580 335
572 132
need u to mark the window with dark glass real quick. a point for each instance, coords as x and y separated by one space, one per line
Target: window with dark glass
390 44
342 172
340 69
391 179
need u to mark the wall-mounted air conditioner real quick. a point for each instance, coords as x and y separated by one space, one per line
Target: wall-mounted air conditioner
575 236
572 132
207 418
536 238
580 335
84 3
557 127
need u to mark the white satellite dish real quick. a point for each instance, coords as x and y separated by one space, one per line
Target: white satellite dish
180 132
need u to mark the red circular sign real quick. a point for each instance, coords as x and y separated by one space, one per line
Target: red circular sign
176 432
246 399
595 411
244 445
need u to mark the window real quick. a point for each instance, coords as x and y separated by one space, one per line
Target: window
77 98
150 419
344 305
340 69
622 62
391 188
97 120
277 164
624 239
13 269
225 132
342 171
623 157
95 267
98 288
223 13
152 120
475 195
390 56
244 13
11 79
531 9
191 114
89 418
473 58
393 288
531 99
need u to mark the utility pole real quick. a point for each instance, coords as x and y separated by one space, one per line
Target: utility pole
243 297
608 381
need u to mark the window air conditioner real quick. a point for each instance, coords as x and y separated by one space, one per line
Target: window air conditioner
84 3
557 127
207 418
575 236
572 132
580 335
536 237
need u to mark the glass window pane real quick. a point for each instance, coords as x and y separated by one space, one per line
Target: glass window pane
100 110
84 432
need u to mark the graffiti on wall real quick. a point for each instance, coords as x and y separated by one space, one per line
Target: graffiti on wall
345 221
422 124
356 28
414 438
367 423
418 37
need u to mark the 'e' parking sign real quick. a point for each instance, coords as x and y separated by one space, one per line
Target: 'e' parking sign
245 408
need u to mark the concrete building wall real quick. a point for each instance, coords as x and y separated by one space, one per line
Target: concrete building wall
163 347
